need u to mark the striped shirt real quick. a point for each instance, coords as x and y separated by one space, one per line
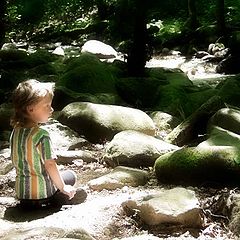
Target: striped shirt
30 148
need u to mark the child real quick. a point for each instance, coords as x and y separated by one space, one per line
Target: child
38 180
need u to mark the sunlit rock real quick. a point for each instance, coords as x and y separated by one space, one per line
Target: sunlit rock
226 118
62 137
142 237
234 205
5 161
100 49
118 178
99 122
198 165
221 137
9 46
224 129
46 233
66 157
132 148
174 206
59 51
164 123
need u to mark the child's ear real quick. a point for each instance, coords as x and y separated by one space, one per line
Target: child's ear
29 109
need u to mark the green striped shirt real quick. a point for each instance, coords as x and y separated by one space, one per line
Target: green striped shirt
30 148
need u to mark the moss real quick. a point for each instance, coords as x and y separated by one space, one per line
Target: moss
40 57
87 74
198 165
83 59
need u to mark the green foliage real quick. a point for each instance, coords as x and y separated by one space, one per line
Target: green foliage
169 29
59 16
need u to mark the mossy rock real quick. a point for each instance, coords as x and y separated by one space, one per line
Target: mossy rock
12 55
193 165
40 57
139 92
84 58
44 69
196 99
13 59
178 78
64 96
172 100
88 75
157 73
229 91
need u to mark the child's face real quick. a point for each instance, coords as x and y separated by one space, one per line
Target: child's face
41 111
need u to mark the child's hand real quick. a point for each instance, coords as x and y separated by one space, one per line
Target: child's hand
69 190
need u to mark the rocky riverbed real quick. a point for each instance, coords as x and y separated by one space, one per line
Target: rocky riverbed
102 215
124 203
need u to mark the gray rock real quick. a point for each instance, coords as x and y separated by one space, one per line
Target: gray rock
135 149
98 122
164 122
221 137
62 137
226 118
45 233
175 206
141 237
66 157
118 178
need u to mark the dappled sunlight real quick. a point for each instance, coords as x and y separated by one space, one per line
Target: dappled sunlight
166 62
195 68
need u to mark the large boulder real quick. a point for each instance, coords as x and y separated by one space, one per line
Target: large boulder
226 118
174 206
99 49
221 137
87 74
132 148
99 122
198 165
224 128
229 90
141 92
196 124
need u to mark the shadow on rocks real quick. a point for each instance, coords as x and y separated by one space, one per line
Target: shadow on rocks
18 214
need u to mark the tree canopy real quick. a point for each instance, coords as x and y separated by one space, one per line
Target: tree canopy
136 27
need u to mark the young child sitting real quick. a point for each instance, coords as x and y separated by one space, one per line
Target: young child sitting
38 180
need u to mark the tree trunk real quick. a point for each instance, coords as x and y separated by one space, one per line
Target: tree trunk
220 17
3 5
102 9
137 55
192 12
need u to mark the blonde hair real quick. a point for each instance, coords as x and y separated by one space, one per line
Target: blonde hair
27 93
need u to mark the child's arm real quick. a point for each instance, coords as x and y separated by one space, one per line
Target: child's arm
51 168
